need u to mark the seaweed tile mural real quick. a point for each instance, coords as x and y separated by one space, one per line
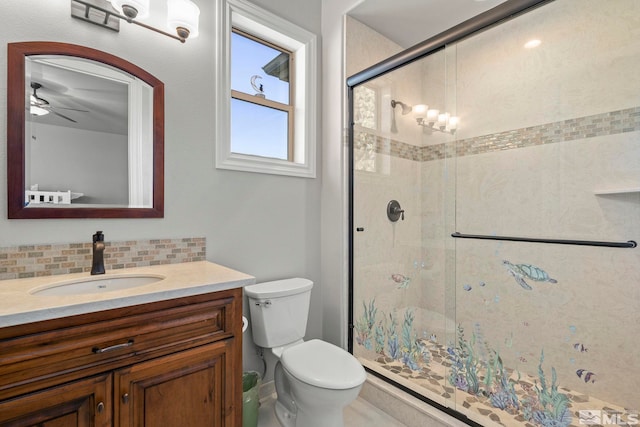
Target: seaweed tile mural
469 369
474 367
387 337
552 406
477 369
365 324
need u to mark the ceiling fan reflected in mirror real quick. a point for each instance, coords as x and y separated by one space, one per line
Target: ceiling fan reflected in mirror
40 106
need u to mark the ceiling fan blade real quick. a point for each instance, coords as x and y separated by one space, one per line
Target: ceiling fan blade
43 103
63 116
71 109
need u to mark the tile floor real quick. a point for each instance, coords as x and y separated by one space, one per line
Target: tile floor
359 414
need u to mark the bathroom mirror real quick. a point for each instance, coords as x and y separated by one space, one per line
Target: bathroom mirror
85 134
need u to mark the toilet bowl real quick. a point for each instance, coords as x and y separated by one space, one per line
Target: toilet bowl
314 379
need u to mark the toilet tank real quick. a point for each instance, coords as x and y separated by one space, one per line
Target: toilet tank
279 311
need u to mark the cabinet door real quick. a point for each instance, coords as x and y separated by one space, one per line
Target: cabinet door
192 388
84 403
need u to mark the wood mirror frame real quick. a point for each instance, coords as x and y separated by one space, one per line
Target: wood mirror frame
16 108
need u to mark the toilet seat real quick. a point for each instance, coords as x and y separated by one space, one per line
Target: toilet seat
324 365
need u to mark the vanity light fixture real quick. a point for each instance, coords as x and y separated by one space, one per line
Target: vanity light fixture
182 15
429 118
433 119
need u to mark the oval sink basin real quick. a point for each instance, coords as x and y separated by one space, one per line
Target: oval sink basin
96 285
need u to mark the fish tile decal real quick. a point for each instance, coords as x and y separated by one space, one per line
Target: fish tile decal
588 375
580 347
401 280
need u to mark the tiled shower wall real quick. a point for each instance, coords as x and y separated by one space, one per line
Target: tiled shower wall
610 123
51 259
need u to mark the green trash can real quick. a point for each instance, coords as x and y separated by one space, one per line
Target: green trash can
250 399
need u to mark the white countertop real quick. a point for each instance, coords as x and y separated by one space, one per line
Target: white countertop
19 306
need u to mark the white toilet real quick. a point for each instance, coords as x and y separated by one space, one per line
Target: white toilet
314 380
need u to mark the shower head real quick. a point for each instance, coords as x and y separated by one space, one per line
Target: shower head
406 109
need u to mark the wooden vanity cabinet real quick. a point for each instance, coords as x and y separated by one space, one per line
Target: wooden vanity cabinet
183 389
172 363
83 403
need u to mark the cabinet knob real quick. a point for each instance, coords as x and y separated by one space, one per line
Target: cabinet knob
100 407
125 398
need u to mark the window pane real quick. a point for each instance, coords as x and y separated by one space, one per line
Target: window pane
257 68
258 130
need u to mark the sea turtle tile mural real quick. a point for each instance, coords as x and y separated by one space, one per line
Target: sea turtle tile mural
522 271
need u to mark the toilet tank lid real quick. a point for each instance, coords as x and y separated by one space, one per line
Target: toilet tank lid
278 288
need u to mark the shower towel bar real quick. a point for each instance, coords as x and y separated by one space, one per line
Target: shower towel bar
628 244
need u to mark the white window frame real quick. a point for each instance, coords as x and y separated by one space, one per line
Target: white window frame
269 27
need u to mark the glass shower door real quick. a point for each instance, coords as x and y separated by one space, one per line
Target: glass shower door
505 283
547 164
403 143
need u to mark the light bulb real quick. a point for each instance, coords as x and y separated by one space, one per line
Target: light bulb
134 9
420 110
532 44
453 122
38 111
432 115
183 17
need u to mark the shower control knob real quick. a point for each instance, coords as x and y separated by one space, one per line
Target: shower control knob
394 211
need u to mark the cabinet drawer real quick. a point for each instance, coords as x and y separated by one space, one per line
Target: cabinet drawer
110 339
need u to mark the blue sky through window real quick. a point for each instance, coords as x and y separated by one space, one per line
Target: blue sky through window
247 59
256 129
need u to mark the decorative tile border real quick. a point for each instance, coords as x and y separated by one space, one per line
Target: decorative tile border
47 260
611 123
366 144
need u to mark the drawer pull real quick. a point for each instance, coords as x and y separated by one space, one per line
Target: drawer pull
112 347
125 398
100 407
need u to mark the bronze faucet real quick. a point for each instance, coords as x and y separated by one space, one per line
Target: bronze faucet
97 266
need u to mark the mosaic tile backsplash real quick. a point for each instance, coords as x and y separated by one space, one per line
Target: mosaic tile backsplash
46 260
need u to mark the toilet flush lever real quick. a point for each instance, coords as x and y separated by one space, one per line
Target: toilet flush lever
266 303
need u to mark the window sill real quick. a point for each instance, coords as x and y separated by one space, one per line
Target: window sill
246 163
